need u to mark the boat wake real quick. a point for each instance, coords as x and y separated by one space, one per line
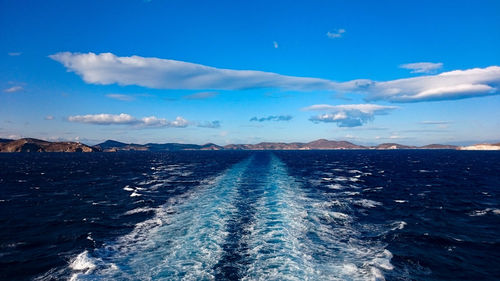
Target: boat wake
253 222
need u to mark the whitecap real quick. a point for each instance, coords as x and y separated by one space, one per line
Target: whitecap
367 203
398 225
135 194
478 213
374 188
340 178
354 171
340 216
349 193
83 262
140 210
335 186
89 237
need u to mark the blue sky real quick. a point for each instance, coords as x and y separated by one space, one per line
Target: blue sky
412 72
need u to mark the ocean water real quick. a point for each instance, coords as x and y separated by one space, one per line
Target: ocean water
243 215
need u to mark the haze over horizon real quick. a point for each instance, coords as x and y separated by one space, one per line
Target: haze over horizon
246 72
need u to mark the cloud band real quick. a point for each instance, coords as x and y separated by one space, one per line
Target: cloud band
107 68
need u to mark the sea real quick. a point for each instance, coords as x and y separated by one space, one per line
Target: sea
250 215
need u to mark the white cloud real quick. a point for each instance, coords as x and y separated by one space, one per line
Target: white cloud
15 54
127 119
157 73
179 122
275 44
348 115
422 67
49 117
201 95
335 34
152 121
458 84
104 119
120 97
445 92
13 89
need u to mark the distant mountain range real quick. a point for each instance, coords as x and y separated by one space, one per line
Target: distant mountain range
36 145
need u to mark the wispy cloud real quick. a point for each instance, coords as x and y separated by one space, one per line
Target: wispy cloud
212 125
272 118
439 130
422 67
366 128
335 34
15 54
275 44
49 117
126 119
158 73
13 89
391 137
348 115
435 122
120 97
201 95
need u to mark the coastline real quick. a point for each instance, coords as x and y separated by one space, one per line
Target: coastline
36 145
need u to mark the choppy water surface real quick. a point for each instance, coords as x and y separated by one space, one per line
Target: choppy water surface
283 215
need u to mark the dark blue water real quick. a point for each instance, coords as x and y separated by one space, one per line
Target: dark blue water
283 215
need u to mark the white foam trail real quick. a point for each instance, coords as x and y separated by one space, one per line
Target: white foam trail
274 240
181 242
298 237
